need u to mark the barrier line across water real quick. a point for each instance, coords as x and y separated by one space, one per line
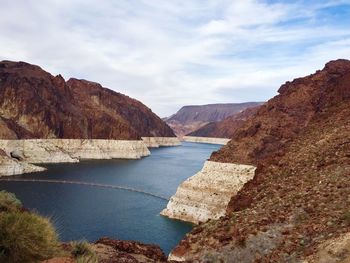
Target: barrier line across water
85 184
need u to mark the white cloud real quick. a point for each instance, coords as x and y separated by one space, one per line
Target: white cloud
172 53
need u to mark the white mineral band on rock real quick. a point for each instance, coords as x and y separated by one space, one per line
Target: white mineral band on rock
206 195
154 142
210 140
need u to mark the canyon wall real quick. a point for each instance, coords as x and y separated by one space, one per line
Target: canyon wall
206 195
210 140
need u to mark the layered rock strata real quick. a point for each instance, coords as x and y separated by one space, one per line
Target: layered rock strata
155 142
206 195
72 150
210 140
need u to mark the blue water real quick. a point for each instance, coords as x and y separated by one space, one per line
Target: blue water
85 212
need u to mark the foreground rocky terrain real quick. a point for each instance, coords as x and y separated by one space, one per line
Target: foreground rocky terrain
35 104
297 207
191 118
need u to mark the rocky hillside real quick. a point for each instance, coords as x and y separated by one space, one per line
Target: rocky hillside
298 203
35 104
191 118
282 118
226 127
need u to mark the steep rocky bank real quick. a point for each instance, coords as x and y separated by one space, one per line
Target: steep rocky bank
191 118
45 119
35 104
298 201
207 194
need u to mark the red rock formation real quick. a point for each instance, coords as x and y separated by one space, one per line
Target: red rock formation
226 127
191 118
299 197
282 118
35 104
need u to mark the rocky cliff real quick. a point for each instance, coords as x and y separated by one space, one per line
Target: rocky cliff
282 118
298 201
191 118
225 128
35 104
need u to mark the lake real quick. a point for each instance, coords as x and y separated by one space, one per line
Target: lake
87 212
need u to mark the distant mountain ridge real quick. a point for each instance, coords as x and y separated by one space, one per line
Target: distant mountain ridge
35 104
191 118
226 127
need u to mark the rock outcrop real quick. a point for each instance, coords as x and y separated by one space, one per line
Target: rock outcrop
210 140
191 118
10 166
298 201
206 195
35 104
117 251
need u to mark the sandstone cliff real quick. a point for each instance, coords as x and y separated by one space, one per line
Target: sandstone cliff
191 118
298 202
35 104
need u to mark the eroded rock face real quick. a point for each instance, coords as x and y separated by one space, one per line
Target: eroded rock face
10 166
35 104
206 195
117 251
283 117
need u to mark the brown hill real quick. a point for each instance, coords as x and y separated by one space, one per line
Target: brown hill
191 118
226 127
35 104
299 198
283 117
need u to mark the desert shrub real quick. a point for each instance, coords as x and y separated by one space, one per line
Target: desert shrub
83 253
26 237
9 202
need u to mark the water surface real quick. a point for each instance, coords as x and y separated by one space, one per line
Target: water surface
85 212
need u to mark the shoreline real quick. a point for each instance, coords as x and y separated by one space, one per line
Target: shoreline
26 155
210 140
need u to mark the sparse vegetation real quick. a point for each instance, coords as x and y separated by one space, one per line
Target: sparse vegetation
24 236
83 253
9 202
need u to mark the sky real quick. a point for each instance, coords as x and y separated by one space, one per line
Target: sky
174 53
